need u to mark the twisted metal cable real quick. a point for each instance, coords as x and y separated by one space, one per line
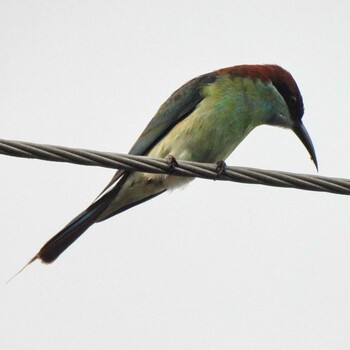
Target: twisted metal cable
184 168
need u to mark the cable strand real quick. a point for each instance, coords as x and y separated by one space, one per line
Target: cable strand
184 168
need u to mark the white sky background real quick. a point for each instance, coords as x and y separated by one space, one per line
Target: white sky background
214 266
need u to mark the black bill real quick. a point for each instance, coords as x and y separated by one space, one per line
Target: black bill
304 137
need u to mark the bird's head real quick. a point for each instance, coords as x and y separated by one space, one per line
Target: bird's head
287 88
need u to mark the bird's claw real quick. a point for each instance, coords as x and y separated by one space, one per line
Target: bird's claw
172 162
220 167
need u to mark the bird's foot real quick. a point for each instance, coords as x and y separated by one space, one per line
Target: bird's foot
220 167
172 162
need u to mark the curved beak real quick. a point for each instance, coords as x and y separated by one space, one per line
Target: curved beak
301 132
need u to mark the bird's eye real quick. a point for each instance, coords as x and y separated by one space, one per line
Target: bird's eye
293 99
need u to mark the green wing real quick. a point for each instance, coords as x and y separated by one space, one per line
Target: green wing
177 107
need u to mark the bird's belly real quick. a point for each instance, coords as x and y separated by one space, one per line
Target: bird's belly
197 138
204 136
200 138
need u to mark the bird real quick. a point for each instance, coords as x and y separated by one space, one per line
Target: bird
202 121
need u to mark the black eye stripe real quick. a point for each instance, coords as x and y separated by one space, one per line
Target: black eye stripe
293 100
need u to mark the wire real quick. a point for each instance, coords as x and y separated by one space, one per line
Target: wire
182 168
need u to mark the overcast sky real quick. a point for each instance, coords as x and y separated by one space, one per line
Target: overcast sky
214 266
